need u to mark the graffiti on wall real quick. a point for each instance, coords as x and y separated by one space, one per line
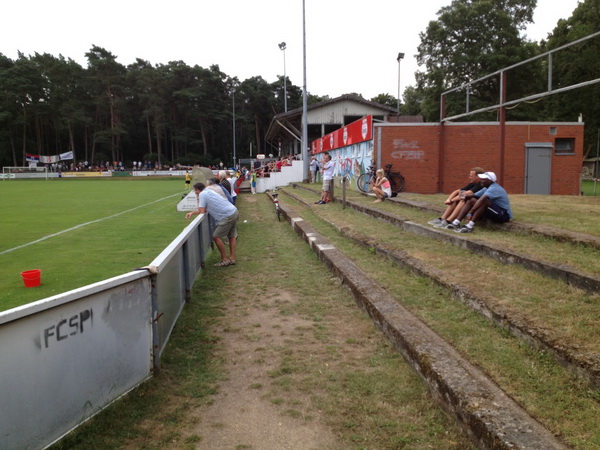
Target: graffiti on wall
408 154
404 149
351 161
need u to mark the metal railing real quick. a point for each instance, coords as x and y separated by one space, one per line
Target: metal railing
501 74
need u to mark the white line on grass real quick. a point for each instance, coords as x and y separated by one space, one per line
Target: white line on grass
83 225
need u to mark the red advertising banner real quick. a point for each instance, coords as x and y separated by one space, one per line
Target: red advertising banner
358 131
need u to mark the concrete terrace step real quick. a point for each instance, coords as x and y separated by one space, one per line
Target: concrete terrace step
584 365
490 417
533 229
569 275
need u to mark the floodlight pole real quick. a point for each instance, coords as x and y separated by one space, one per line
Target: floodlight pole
399 58
282 47
233 109
304 100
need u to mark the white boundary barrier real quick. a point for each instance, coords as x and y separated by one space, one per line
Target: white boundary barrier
66 357
288 174
88 174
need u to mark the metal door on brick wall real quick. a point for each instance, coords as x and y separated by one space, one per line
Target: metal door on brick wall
538 168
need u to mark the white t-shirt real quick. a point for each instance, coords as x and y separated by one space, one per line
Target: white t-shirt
232 182
328 170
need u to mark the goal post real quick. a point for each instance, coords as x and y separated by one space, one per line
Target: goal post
12 172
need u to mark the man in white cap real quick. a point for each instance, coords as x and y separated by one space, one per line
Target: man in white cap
491 202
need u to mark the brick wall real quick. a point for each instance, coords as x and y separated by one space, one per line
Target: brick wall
414 151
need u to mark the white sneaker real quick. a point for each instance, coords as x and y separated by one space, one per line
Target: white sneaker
435 222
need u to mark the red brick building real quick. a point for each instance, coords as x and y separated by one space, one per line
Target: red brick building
536 158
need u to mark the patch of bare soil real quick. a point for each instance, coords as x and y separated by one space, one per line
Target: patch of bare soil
240 415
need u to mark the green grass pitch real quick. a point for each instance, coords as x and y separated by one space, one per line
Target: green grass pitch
114 226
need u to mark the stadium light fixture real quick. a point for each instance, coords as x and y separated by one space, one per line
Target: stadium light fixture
282 47
399 58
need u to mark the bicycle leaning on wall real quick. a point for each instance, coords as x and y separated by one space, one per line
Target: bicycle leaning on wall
366 180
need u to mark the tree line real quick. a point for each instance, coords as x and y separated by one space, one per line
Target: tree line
470 39
176 113
169 114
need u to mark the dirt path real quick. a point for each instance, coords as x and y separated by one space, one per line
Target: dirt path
240 415
254 333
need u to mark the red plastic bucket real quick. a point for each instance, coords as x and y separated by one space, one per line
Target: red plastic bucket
32 278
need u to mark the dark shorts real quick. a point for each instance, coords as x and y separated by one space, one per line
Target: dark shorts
496 214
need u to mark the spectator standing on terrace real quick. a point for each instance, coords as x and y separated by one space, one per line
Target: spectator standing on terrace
456 200
382 186
314 168
491 202
233 181
222 178
228 183
225 216
253 181
213 184
328 170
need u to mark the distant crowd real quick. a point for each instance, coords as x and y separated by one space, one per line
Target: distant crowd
119 166
274 165
102 166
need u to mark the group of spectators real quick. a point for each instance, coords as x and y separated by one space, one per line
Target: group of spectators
481 198
86 166
274 165
115 166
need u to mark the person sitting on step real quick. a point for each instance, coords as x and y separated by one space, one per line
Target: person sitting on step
382 186
491 202
456 200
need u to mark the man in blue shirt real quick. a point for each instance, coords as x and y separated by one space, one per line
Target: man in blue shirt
491 202
225 216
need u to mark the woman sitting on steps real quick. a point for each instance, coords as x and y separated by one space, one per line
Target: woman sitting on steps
382 187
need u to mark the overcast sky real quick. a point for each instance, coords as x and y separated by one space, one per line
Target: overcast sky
351 46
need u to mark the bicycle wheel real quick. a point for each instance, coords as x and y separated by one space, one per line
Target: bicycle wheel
397 182
278 212
364 183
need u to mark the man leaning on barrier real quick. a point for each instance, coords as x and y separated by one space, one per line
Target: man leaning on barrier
225 216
